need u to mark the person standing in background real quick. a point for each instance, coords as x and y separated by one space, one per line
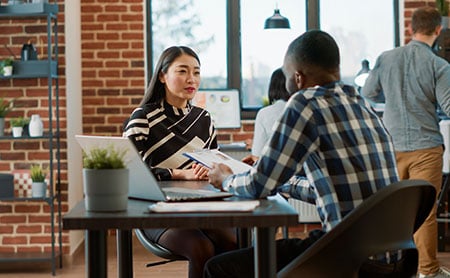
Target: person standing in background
415 82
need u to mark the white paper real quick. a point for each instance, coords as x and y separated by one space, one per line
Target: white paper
215 206
207 157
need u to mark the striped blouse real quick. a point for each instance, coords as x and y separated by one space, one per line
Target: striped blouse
162 133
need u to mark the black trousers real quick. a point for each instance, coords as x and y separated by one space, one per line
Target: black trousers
240 263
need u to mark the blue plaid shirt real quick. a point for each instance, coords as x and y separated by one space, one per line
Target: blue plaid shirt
331 134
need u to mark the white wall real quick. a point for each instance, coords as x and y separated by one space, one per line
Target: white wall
72 24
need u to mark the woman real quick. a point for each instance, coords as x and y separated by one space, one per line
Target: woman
163 127
267 116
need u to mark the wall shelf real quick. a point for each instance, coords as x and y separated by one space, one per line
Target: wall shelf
47 68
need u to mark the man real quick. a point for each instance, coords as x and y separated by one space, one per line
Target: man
327 130
415 82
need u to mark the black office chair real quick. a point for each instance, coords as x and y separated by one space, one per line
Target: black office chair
156 249
385 221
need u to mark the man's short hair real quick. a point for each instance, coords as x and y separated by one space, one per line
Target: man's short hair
425 20
315 48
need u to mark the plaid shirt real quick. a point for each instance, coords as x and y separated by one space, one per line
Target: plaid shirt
331 134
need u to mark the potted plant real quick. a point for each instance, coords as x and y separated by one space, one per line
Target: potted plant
7 66
5 107
38 185
17 125
442 7
105 179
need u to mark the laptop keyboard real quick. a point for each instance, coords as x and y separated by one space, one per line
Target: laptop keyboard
185 194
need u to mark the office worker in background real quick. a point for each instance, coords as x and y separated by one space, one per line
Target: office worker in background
163 127
329 131
266 116
415 81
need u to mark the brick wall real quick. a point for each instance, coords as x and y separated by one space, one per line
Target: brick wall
113 84
25 225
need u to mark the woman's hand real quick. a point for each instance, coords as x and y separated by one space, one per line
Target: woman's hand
196 172
200 171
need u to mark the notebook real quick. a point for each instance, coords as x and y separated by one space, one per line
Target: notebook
143 184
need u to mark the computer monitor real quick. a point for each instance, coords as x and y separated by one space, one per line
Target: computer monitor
223 105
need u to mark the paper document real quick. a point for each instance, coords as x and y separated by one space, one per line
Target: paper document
216 206
207 157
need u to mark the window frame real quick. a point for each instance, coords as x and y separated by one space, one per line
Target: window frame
234 59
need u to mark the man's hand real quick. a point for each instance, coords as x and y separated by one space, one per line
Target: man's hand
250 159
218 173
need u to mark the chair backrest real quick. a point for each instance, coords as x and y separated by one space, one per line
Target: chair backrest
156 249
385 221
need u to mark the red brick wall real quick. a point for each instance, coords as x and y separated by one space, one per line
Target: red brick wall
113 83
25 225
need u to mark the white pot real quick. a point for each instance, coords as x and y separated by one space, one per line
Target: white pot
7 70
38 189
17 131
106 190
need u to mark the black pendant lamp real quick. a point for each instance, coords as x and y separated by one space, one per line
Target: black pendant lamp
277 21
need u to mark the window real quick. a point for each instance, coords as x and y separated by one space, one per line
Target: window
198 24
352 25
263 49
242 55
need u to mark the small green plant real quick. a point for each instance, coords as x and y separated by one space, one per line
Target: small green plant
8 62
442 7
19 122
104 158
37 173
5 107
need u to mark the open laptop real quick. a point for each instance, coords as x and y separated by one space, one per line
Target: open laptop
142 183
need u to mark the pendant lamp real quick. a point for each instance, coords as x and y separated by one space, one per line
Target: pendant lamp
277 21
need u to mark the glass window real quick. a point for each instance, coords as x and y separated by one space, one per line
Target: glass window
198 24
263 49
362 31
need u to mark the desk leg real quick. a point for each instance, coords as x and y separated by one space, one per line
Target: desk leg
124 254
96 254
265 253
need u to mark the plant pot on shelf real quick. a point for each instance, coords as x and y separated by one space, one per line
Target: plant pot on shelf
105 190
17 131
38 189
2 126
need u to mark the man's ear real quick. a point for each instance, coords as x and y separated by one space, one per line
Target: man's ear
299 79
438 30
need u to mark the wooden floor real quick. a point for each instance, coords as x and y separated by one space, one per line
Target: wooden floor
76 269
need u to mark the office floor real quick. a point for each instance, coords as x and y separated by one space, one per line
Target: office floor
75 269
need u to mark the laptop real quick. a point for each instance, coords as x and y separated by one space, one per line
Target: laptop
142 184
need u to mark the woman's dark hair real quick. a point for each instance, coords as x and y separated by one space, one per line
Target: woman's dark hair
155 91
277 86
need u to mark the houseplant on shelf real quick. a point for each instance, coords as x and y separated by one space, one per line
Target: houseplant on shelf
38 185
443 8
17 125
6 68
105 179
5 107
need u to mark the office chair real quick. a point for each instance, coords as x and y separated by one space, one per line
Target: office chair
385 221
156 249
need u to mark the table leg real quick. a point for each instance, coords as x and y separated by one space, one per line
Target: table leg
96 254
265 253
124 253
